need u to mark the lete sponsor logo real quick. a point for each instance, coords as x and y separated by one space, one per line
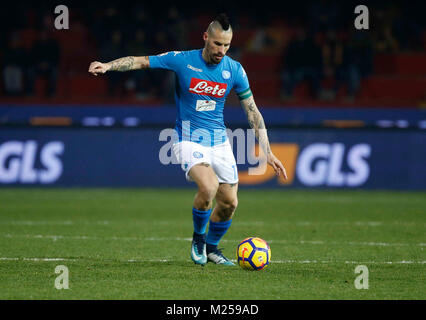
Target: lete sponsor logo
208 88
20 162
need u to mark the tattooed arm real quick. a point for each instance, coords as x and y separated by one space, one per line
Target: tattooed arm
256 122
121 64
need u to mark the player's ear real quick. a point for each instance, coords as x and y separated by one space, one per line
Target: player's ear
205 36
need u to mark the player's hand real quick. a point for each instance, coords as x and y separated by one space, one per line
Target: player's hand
97 67
277 165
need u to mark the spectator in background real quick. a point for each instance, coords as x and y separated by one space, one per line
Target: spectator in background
162 39
407 27
165 90
323 15
141 18
14 66
111 20
177 28
261 41
139 44
332 56
110 50
302 61
140 81
384 40
356 64
45 54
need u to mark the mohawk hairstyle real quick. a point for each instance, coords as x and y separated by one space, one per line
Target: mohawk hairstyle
223 20
221 23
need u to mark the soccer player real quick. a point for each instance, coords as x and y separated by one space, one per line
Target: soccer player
204 78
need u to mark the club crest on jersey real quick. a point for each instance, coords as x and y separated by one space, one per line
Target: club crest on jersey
197 155
208 88
226 74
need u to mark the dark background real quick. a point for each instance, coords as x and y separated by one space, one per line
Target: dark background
315 78
296 53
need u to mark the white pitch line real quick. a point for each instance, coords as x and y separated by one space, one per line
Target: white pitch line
240 223
61 237
310 223
378 199
116 238
35 259
351 243
170 260
348 262
52 222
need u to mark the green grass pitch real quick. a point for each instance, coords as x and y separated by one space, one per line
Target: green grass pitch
135 244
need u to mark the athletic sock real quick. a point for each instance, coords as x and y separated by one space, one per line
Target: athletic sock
200 220
216 231
199 238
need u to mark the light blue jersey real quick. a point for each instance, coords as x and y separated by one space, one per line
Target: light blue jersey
201 90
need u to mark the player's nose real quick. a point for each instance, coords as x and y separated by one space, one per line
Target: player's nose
222 50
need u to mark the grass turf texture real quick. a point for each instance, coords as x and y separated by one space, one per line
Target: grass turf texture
135 243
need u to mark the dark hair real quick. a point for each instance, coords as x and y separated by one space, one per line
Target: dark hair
223 20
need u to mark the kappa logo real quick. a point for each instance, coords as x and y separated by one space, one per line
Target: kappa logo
208 88
166 53
193 68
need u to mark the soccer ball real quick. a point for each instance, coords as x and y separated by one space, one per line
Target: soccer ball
253 254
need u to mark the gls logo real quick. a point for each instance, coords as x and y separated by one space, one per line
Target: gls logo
321 164
318 164
18 162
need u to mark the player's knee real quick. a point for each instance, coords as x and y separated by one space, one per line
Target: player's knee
232 205
227 208
208 191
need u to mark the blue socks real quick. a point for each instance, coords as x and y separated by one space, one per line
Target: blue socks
200 220
216 231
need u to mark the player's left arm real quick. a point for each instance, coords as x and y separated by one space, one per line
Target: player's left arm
257 123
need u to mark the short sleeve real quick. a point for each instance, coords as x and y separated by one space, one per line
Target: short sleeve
241 81
168 60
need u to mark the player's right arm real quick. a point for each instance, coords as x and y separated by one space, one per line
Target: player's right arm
121 64
171 60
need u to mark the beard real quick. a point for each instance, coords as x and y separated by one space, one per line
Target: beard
213 58
217 59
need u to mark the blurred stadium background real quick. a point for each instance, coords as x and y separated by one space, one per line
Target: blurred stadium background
355 120
316 79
